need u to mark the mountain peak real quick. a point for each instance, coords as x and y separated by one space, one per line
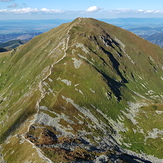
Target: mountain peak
83 19
83 91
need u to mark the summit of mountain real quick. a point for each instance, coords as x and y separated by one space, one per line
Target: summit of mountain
83 91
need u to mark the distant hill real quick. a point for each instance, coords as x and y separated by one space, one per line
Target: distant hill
3 50
155 38
9 45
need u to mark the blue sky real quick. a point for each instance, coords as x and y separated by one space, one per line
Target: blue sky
69 9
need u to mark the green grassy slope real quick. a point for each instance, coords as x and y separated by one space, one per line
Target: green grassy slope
83 79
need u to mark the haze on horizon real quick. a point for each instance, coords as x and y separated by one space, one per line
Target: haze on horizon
50 9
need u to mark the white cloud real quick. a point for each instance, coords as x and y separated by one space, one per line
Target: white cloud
140 10
130 11
31 10
151 11
51 10
93 9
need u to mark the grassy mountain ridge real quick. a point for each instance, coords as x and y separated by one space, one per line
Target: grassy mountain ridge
83 84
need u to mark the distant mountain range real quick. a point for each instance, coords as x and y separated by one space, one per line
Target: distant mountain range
148 28
155 38
86 91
